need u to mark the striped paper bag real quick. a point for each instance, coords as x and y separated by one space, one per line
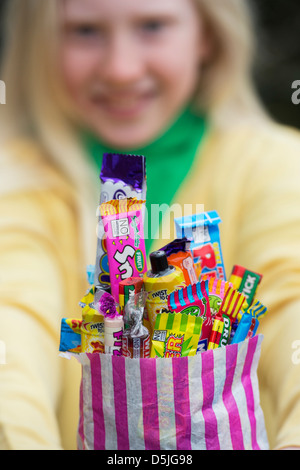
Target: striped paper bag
208 401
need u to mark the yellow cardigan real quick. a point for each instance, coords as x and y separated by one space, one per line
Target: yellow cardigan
251 177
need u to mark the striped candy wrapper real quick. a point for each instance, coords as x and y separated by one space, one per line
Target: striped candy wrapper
209 401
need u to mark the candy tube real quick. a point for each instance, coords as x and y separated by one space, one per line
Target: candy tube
113 325
122 176
123 224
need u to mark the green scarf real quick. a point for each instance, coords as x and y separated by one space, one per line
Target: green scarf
168 161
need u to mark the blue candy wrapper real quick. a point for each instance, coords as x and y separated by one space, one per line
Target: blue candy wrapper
203 232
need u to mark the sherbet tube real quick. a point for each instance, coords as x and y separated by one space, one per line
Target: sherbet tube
122 176
123 222
113 325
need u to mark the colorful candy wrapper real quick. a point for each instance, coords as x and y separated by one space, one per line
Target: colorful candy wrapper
113 325
123 224
90 273
92 331
159 282
230 308
217 289
178 254
245 281
122 177
176 335
70 335
249 322
128 289
88 298
203 231
193 300
136 338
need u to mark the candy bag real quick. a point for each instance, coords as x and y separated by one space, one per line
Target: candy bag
193 300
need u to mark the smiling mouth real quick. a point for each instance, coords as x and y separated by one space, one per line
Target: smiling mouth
123 106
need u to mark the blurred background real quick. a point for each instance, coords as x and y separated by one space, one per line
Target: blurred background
278 57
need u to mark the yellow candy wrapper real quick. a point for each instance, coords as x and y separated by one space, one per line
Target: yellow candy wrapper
175 335
92 331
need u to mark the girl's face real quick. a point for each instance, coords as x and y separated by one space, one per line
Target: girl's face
130 66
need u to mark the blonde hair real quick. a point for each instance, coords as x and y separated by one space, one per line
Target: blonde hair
37 105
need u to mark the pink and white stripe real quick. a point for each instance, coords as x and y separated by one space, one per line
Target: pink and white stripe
209 401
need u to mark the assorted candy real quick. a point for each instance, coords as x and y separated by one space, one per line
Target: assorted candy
181 305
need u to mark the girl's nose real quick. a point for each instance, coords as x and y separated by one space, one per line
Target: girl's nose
124 63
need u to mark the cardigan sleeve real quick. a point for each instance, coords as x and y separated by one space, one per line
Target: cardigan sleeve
269 241
40 278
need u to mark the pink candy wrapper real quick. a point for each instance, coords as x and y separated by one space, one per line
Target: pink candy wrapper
123 221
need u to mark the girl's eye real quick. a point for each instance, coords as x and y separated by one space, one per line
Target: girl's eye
153 26
85 30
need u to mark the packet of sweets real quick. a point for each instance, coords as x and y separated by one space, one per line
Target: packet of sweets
123 222
193 300
92 331
178 254
136 338
70 335
88 298
128 289
217 289
249 322
113 324
231 306
203 231
175 335
121 177
245 281
159 282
